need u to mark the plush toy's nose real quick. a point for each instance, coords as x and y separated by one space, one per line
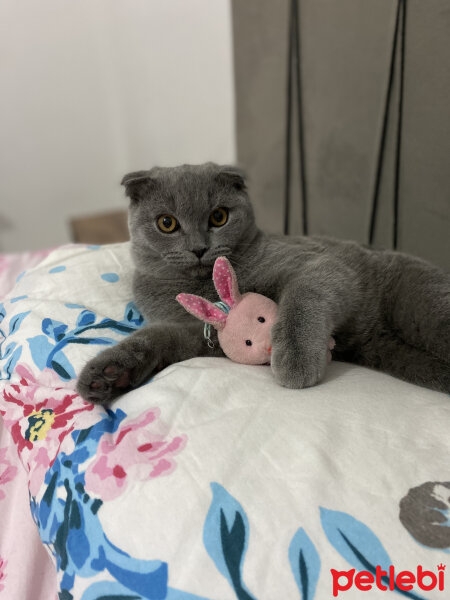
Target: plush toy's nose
269 349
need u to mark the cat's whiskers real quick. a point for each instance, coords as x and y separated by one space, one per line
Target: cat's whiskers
217 251
180 258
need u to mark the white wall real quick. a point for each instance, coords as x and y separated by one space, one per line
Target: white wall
92 89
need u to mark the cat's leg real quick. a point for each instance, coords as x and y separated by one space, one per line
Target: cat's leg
139 356
321 298
418 301
389 353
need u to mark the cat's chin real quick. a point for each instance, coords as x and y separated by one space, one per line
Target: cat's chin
200 271
193 271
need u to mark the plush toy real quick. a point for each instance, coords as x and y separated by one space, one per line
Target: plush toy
243 322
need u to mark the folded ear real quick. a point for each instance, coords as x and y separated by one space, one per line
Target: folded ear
232 176
138 184
225 281
203 310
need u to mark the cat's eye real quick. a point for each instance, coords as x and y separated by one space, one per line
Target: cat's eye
167 223
218 217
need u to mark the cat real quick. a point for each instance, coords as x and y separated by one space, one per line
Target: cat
386 310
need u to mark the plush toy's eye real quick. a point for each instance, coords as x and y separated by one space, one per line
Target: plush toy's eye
261 319
167 224
248 342
218 217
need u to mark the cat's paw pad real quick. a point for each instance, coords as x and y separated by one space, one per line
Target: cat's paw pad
102 384
118 376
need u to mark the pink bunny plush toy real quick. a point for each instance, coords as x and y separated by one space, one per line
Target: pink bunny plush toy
244 326
243 322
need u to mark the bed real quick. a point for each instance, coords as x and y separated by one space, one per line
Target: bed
210 481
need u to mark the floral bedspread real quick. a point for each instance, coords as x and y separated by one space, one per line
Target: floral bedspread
212 482
19 538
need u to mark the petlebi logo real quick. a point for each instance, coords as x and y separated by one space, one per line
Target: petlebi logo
404 581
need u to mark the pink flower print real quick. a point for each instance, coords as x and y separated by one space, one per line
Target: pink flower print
40 416
7 471
136 452
3 564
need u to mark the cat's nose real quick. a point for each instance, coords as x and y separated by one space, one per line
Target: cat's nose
200 252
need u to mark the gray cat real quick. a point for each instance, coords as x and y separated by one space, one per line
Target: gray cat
385 309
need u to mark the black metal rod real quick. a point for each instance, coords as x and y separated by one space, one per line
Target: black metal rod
300 134
399 126
382 146
288 147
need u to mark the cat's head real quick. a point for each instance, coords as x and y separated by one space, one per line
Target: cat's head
183 218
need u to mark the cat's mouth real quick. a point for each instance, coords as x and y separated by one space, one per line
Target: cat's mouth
189 265
193 259
197 271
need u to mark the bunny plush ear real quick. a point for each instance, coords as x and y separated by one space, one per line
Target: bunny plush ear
203 310
225 281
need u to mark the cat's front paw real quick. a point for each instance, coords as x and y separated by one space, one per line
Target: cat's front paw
297 363
103 379
110 374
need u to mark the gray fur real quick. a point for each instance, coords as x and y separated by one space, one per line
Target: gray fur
386 310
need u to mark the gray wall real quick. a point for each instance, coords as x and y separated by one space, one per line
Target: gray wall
346 50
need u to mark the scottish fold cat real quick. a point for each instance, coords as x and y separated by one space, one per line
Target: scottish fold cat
386 310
